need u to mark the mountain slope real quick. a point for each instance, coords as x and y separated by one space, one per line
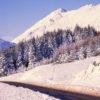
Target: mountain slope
60 19
5 44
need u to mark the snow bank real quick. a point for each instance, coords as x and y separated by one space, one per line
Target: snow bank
8 92
90 76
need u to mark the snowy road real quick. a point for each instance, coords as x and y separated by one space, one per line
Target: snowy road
61 94
11 92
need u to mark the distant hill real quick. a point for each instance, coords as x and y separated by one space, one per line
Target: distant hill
5 44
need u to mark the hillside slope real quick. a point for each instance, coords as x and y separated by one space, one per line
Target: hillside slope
62 19
64 74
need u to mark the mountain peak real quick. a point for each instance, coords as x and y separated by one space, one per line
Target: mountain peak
1 40
60 10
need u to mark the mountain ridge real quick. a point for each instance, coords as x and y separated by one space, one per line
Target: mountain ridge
62 19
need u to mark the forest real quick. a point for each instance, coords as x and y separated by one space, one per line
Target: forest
61 46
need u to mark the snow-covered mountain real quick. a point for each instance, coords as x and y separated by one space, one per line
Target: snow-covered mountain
62 19
5 44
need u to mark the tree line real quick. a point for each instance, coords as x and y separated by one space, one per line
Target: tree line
57 46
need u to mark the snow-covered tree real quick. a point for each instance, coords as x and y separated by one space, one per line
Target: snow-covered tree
77 33
69 37
20 56
46 51
32 53
2 61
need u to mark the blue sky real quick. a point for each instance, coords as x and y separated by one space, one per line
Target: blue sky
18 15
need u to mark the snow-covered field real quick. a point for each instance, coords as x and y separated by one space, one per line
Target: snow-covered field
78 73
75 73
8 92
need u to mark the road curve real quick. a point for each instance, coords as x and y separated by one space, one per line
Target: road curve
72 93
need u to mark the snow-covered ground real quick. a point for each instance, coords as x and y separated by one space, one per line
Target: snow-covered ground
79 73
61 19
62 74
8 92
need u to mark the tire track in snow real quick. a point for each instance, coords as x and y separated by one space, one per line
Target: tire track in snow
57 93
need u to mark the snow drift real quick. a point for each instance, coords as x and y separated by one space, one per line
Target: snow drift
89 76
